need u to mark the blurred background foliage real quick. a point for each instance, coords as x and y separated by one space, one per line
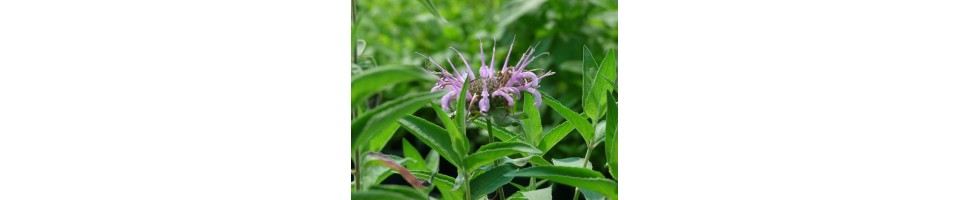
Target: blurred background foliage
389 32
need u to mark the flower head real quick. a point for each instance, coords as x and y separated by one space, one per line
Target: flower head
489 88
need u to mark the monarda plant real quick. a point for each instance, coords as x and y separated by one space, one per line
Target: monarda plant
502 101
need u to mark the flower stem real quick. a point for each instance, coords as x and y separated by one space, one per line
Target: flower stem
491 138
468 187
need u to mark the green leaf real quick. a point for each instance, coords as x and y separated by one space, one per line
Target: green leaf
554 136
380 140
584 127
432 160
491 180
373 80
590 71
608 70
571 162
532 123
411 153
538 161
499 132
375 172
611 136
460 112
432 135
434 10
444 183
366 126
395 164
590 195
540 194
389 192
457 137
573 176
491 152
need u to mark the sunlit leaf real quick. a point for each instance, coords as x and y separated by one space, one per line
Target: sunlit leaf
432 135
590 75
532 122
611 136
434 9
379 119
540 194
370 81
494 151
582 125
554 136
573 176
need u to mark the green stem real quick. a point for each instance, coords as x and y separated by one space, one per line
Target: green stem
468 187
491 138
589 150
358 170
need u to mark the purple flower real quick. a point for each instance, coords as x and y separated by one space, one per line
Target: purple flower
490 88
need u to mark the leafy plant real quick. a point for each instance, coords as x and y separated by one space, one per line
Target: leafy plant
492 147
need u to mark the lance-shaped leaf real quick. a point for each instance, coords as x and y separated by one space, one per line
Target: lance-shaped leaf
582 125
462 148
494 151
388 162
373 80
491 180
611 136
432 135
380 139
573 176
457 137
389 192
434 10
591 71
366 126
444 183
532 123
411 153
554 136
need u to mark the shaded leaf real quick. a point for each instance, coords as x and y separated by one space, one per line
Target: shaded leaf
491 180
500 133
389 192
411 153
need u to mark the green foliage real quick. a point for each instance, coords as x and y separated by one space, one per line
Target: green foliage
573 176
389 90
491 180
494 151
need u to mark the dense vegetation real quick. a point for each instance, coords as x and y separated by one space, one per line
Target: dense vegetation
564 148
